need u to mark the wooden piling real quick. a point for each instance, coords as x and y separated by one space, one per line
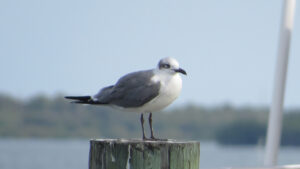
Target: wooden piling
139 154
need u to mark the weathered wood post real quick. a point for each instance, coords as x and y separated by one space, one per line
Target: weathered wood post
139 154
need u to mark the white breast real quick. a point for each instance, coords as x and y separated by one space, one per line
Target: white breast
169 91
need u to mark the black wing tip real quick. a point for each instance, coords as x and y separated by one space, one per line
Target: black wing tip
68 97
78 97
82 100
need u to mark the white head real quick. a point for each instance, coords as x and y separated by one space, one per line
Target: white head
170 65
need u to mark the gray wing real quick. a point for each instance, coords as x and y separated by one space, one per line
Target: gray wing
132 90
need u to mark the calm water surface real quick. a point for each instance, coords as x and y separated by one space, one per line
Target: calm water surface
73 154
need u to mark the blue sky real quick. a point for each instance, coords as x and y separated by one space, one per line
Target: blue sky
76 47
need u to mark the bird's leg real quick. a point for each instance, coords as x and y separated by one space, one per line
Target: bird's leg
151 128
150 123
142 123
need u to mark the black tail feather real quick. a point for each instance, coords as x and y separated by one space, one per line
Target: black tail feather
79 98
82 99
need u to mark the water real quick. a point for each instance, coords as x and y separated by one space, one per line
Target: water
44 154
213 155
73 154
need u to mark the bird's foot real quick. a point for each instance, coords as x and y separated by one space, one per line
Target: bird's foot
157 139
152 138
145 138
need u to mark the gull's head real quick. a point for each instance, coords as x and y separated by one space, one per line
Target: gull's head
170 65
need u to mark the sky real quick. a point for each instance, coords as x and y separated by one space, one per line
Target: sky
228 48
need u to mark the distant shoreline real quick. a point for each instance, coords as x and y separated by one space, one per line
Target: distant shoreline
55 118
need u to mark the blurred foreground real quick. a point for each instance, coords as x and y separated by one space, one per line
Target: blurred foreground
42 117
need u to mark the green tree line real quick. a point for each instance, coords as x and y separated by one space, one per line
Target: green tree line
55 117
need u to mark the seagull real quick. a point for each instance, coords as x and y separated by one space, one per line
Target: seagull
143 91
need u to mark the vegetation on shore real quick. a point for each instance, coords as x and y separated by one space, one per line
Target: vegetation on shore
57 118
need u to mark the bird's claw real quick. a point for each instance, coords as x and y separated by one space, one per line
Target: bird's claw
154 139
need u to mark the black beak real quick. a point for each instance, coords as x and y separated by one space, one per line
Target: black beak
180 71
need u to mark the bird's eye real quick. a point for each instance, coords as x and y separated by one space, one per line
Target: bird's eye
167 66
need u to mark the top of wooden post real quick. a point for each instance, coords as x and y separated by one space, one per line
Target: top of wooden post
137 141
143 154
